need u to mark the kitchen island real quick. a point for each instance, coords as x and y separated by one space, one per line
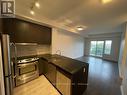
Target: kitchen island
68 76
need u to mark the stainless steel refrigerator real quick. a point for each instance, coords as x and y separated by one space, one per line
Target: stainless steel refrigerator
6 82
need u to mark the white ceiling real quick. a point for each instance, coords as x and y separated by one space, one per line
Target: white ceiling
68 14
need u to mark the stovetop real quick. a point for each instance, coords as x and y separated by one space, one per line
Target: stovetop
27 60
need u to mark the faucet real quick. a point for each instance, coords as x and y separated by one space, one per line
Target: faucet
58 52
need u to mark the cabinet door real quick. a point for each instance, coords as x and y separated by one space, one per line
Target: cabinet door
42 66
80 80
17 29
21 31
9 27
42 34
51 73
63 84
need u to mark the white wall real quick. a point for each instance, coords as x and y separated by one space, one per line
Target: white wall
123 61
121 51
115 37
70 44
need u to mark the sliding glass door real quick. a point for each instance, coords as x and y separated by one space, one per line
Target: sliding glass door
96 48
99 49
93 48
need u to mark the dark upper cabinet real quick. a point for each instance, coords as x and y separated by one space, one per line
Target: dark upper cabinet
8 28
22 33
43 33
26 32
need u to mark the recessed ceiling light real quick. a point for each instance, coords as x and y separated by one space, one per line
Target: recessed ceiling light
106 1
79 28
37 4
32 12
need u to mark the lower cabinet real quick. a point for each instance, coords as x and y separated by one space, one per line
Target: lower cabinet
47 69
51 73
80 81
66 83
42 66
63 83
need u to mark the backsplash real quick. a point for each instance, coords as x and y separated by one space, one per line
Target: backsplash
28 50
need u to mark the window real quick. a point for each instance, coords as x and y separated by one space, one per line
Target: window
100 46
108 46
93 48
96 48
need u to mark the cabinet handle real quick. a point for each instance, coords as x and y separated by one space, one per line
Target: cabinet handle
84 70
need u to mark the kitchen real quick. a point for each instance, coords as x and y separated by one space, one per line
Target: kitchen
30 48
58 50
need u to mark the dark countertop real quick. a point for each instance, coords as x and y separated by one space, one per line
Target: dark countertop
67 64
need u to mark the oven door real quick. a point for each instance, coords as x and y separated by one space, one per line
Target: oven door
27 68
27 72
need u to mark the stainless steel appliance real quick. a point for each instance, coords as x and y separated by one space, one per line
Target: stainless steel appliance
27 70
6 65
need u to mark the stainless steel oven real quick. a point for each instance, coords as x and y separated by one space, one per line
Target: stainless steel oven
27 70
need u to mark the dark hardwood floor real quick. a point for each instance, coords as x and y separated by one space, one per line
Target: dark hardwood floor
103 77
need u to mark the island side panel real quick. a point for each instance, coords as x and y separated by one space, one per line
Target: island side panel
80 81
